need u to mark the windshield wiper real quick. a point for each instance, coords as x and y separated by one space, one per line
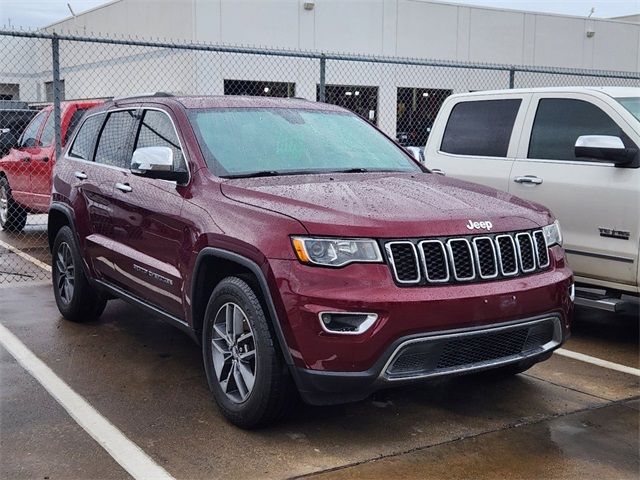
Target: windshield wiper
262 173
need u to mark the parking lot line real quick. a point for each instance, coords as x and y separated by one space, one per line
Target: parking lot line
25 256
597 361
131 457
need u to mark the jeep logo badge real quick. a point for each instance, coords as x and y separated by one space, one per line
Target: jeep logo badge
487 225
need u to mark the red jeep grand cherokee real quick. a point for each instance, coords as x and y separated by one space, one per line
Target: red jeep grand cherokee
25 172
302 248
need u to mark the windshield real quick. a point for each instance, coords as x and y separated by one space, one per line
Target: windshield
632 104
240 142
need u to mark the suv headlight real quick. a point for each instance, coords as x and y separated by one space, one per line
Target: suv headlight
336 252
552 234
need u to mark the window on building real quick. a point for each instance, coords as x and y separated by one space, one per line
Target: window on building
114 146
416 110
259 88
156 130
480 128
560 121
9 91
83 144
359 99
48 91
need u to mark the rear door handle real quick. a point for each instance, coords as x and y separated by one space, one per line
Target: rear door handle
123 187
80 175
528 179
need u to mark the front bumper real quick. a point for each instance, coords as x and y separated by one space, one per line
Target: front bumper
350 366
449 353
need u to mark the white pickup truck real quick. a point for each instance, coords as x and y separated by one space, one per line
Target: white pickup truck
574 150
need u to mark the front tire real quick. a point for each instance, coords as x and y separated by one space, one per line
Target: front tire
13 217
249 380
77 300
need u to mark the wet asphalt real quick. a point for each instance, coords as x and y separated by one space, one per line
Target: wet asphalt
564 418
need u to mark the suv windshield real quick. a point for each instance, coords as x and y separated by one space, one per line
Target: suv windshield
632 104
241 142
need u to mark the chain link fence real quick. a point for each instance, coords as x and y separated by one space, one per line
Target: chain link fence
48 81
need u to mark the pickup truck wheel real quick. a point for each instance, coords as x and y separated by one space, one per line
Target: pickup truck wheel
77 300
13 217
249 380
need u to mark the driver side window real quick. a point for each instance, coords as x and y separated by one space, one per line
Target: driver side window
560 121
156 130
30 135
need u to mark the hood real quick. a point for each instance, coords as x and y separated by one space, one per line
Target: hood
387 205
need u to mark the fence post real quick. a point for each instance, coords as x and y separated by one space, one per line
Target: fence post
55 54
512 77
323 66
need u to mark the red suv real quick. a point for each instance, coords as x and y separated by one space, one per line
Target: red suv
25 172
302 248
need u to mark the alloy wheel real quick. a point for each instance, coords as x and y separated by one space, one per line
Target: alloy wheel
4 205
233 352
66 272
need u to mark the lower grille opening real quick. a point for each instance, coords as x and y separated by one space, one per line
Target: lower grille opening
435 356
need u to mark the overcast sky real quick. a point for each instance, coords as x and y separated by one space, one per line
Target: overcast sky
38 13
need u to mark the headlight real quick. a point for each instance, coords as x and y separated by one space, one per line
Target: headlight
335 252
552 234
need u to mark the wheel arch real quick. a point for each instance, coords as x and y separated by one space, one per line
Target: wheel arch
214 264
58 217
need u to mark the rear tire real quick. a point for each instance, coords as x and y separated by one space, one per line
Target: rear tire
246 373
13 217
77 300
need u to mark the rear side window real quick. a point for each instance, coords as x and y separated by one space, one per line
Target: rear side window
83 144
46 138
114 145
73 123
156 130
560 121
480 128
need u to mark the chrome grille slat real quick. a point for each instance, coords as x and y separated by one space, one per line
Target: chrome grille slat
542 252
468 258
399 254
484 260
461 258
526 255
507 250
436 269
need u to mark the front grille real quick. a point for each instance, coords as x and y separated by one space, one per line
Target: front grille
471 350
467 259
482 349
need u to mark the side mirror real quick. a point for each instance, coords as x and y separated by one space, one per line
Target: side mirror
156 162
416 152
29 143
604 147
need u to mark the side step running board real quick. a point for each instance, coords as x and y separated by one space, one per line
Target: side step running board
600 301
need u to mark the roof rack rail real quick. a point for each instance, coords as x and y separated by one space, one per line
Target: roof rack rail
145 94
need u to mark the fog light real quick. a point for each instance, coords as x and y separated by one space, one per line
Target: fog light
347 323
572 292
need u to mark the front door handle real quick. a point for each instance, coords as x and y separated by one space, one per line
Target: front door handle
124 187
528 179
26 159
437 171
80 175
